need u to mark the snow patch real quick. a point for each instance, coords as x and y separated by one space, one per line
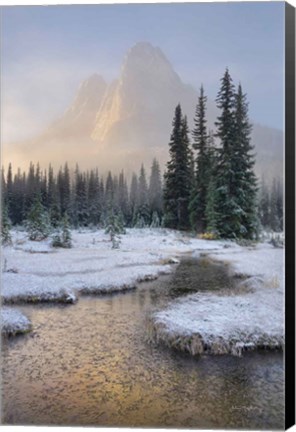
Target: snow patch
250 317
20 287
13 322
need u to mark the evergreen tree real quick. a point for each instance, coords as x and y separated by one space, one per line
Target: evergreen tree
62 238
109 191
51 187
280 204
123 199
43 189
94 198
102 202
276 207
114 228
198 199
155 190
64 189
142 200
211 215
53 199
9 192
229 212
5 226
30 188
155 222
18 199
3 185
133 198
177 178
264 205
245 179
115 201
38 225
81 213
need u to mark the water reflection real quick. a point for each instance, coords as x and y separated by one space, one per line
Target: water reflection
89 364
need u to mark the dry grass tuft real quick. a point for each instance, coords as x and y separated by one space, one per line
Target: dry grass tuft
196 345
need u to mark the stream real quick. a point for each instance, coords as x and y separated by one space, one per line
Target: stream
89 364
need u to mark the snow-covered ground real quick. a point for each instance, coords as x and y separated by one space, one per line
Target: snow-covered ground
36 272
213 322
247 318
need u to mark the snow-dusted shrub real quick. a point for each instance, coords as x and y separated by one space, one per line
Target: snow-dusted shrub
114 228
155 223
5 227
62 237
277 241
38 223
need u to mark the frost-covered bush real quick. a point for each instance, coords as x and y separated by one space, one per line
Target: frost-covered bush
140 222
155 223
62 237
5 227
114 228
277 241
38 223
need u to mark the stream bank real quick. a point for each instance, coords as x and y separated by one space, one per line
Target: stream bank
90 365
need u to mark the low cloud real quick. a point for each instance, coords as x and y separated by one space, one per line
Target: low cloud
34 94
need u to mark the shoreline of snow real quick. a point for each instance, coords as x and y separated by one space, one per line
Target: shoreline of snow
13 322
250 318
36 272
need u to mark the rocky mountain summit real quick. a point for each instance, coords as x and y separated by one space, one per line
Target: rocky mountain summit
127 122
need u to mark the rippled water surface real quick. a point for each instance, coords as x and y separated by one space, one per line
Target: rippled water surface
89 364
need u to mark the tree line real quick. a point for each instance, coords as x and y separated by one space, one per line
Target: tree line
85 197
270 205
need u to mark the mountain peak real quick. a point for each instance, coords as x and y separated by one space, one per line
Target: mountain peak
145 49
93 83
145 52
144 59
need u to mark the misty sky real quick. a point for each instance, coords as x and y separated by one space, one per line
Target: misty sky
47 51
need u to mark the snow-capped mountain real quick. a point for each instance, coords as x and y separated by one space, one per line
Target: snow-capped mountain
128 122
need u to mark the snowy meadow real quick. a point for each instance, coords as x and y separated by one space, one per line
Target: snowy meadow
249 316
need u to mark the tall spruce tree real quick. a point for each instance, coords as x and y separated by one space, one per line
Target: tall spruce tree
177 178
229 212
19 192
64 189
9 193
80 200
210 210
198 202
143 213
123 200
133 198
155 190
94 198
245 179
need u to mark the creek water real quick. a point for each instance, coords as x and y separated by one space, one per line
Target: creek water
89 364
